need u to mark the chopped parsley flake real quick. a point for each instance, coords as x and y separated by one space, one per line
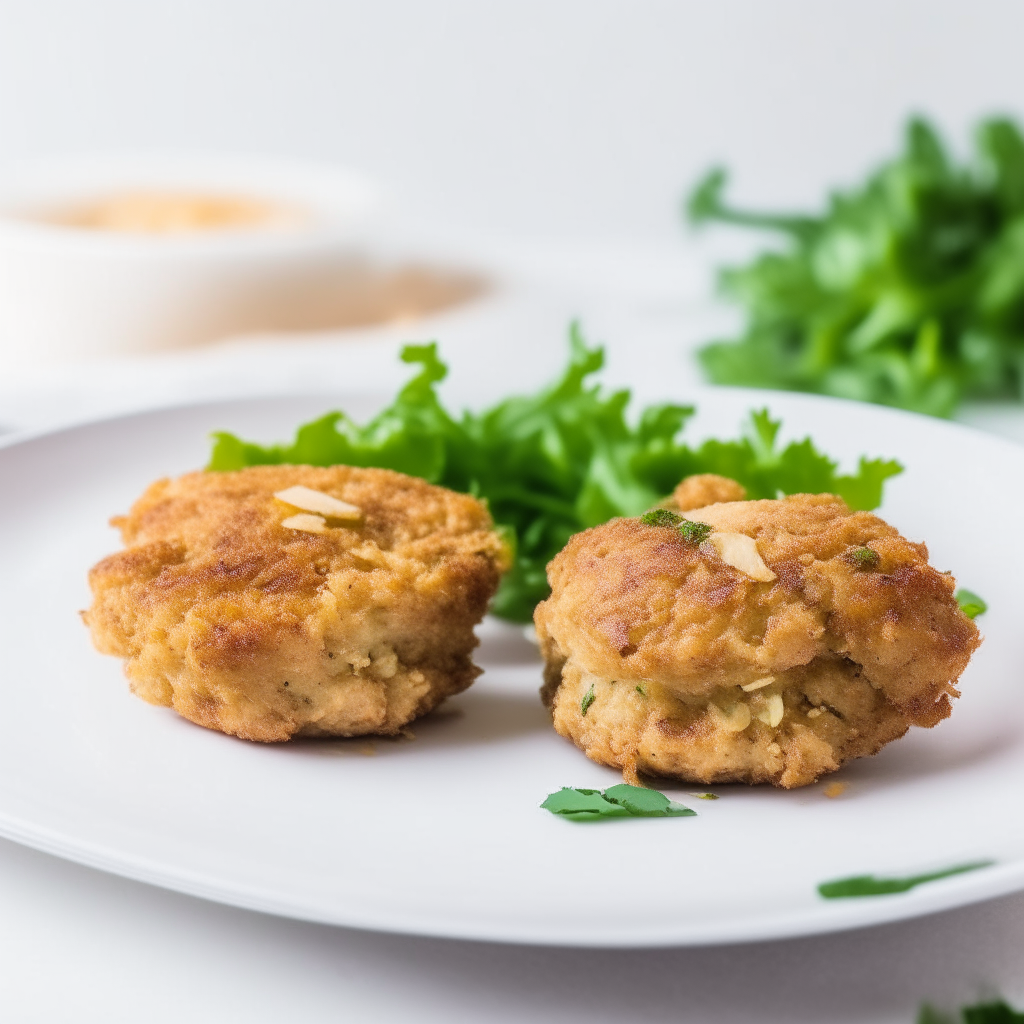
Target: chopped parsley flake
588 699
695 533
660 517
622 801
706 796
869 885
864 558
641 690
970 604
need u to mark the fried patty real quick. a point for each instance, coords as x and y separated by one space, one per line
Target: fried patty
661 657
245 625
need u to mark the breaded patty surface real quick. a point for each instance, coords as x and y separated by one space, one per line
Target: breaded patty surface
665 659
247 626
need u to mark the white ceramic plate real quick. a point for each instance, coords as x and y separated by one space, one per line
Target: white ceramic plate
443 835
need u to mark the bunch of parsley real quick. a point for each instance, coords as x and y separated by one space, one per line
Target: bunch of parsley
552 464
908 290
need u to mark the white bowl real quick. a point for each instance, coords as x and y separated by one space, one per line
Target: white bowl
68 292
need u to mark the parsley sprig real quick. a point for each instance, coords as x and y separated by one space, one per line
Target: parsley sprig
622 801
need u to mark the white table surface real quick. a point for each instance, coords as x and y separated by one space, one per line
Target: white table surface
77 944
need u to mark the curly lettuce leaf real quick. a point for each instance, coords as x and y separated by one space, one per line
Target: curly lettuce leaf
554 463
410 436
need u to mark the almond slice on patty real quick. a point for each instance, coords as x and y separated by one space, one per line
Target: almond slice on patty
757 684
322 504
306 522
740 551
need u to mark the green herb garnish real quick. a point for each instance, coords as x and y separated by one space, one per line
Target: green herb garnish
996 1012
869 885
970 604
557 462
707 796
864 558
588 699
639 689
583 805
660 517
620 801
695 533
907 290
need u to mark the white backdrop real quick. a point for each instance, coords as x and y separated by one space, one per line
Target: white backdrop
569 118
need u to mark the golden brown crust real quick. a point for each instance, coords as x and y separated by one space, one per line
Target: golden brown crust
857 654
265 632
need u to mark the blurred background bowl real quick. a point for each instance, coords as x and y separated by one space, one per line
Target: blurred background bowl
286 246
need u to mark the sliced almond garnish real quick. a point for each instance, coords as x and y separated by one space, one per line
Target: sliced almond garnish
771 711
304 521
740 551
733 718
757 684
316 501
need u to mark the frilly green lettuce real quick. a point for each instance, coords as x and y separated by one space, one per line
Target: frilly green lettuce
554 463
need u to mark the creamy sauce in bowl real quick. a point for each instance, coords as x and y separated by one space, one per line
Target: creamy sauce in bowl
173 213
